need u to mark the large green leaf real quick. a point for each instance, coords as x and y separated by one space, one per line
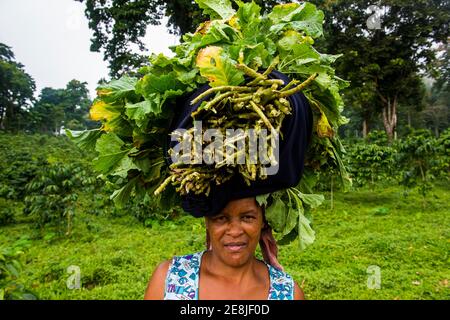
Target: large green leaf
117 89
140 111
216 8
262 199
305 232
157 89
122 195
256 55
217 31
312 200
119 125
248 13
284 12
217 68
289 40
293 235
125 165
85 139
113 155
304 17
291 220
276 215
151 83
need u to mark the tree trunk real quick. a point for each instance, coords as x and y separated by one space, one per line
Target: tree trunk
365 129
9 117
436 122
2 116
390 117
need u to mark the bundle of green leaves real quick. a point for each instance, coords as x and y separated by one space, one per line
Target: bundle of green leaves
136 112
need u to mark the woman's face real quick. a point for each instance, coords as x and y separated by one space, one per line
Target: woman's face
234 233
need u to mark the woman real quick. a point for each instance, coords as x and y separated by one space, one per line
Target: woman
229 269
235 224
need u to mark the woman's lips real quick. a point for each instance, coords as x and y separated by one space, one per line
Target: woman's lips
235 247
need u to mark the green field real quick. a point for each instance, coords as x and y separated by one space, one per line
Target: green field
380 227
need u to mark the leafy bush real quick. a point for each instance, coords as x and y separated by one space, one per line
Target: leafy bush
371 163
53 193
377 137
418 153
10 269
6 216
148 211
23 157
20 168
441 168
413 161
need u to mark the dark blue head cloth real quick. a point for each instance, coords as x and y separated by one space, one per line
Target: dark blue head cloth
296 135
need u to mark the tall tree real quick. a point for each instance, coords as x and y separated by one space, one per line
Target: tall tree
436 115
66 107
47 114
76 103
120 25
16 90
385 48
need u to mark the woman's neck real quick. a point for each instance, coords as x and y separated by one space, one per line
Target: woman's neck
231 274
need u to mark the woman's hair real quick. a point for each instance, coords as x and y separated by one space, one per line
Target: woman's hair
268 244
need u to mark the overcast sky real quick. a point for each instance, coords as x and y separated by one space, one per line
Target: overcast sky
52 39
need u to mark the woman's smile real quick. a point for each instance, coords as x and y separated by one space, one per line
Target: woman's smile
235 246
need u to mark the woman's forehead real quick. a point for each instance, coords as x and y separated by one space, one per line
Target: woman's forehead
241 206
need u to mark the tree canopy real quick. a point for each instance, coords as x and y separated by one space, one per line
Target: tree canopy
119 26
385 65
16 90
66 107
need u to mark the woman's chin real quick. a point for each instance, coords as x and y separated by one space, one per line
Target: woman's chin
238 258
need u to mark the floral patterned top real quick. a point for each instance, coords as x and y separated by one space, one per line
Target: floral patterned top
183 274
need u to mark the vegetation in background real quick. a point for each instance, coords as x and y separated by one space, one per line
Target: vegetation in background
370 226
11 265
117 249
16 91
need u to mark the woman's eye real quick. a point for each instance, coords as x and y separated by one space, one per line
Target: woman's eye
220 219
249 218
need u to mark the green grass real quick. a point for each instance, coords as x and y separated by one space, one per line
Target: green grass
366 227
382 228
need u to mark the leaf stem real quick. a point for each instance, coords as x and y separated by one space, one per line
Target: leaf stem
299 87
221 88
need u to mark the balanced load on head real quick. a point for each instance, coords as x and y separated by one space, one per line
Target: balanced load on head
233 55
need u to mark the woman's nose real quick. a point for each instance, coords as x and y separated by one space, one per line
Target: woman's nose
234 228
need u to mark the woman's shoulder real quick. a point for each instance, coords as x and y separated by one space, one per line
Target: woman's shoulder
283 285
279 275
298 292
156 284
175 267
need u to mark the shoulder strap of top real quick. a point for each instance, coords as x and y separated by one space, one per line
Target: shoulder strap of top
182 277
281 285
